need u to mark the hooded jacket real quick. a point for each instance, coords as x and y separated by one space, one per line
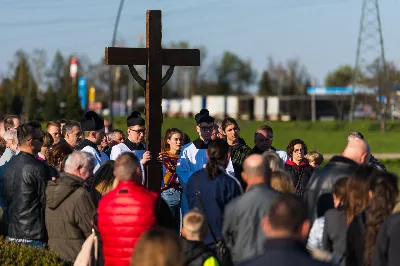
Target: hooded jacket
69 211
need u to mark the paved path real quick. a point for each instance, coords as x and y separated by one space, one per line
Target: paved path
376 155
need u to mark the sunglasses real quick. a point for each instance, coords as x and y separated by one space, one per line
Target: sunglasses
39 139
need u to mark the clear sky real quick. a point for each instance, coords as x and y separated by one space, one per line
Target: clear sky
321 33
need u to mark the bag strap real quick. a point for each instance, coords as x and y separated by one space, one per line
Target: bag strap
202 207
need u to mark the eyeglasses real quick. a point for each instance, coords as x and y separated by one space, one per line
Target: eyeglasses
265 139
141 131
207 128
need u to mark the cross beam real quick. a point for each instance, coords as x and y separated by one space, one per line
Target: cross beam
154 57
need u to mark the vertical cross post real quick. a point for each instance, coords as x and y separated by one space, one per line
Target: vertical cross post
153 96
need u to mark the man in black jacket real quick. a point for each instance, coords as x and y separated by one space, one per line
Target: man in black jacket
25 179
318 194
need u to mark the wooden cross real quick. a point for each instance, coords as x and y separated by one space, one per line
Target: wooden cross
153 57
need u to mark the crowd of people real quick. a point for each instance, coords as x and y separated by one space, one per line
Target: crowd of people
78 189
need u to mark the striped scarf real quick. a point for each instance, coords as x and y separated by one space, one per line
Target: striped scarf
170 178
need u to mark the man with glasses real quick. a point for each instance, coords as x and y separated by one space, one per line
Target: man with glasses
193 156
25 180
134 142
93 128
263 142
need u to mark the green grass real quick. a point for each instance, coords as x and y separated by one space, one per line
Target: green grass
326 137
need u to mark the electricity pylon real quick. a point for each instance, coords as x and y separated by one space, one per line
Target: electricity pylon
369 49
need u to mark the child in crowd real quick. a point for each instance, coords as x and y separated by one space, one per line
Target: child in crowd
314 158
193 231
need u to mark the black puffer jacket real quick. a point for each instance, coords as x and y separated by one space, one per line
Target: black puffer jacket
25 179
301 175
318 194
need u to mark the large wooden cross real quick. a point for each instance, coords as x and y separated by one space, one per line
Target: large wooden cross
153 57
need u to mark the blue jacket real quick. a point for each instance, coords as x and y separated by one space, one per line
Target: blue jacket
215 195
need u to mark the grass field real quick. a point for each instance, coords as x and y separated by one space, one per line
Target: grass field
326 137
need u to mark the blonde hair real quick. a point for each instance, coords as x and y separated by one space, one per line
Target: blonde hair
158 247
193 224
275 162
314 156
281 181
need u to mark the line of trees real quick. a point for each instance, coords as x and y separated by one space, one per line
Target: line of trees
35 91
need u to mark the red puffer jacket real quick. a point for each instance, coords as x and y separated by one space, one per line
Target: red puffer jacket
123 215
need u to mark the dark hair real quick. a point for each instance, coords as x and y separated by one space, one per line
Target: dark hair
48 140
287 213
266 129
339 190
385 190
217 151
52 123
292 143
25 131
104 178
357 192
56 156
9 121
227 122
69 125
168 135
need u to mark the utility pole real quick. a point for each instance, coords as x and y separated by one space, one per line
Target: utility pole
370 48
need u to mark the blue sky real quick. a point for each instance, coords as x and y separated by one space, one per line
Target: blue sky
321 33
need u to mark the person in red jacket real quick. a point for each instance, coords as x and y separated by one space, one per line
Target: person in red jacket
128 211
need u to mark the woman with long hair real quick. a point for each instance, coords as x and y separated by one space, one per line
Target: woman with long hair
383 192
363 229
158 247
171 190
212 188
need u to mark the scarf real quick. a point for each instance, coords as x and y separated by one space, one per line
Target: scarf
170 178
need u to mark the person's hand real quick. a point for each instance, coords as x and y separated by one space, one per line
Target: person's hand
53 178
146 157
159 158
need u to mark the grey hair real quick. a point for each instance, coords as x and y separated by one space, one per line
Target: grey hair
354 135
275 162
69 126
79 159
11 135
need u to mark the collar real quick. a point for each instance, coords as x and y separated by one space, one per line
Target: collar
302 164
199 144
285 244
85 143
258 186
338 159
133 146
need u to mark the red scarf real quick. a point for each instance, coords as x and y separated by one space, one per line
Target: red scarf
170 178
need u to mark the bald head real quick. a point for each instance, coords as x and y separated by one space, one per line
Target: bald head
255 169
357 150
